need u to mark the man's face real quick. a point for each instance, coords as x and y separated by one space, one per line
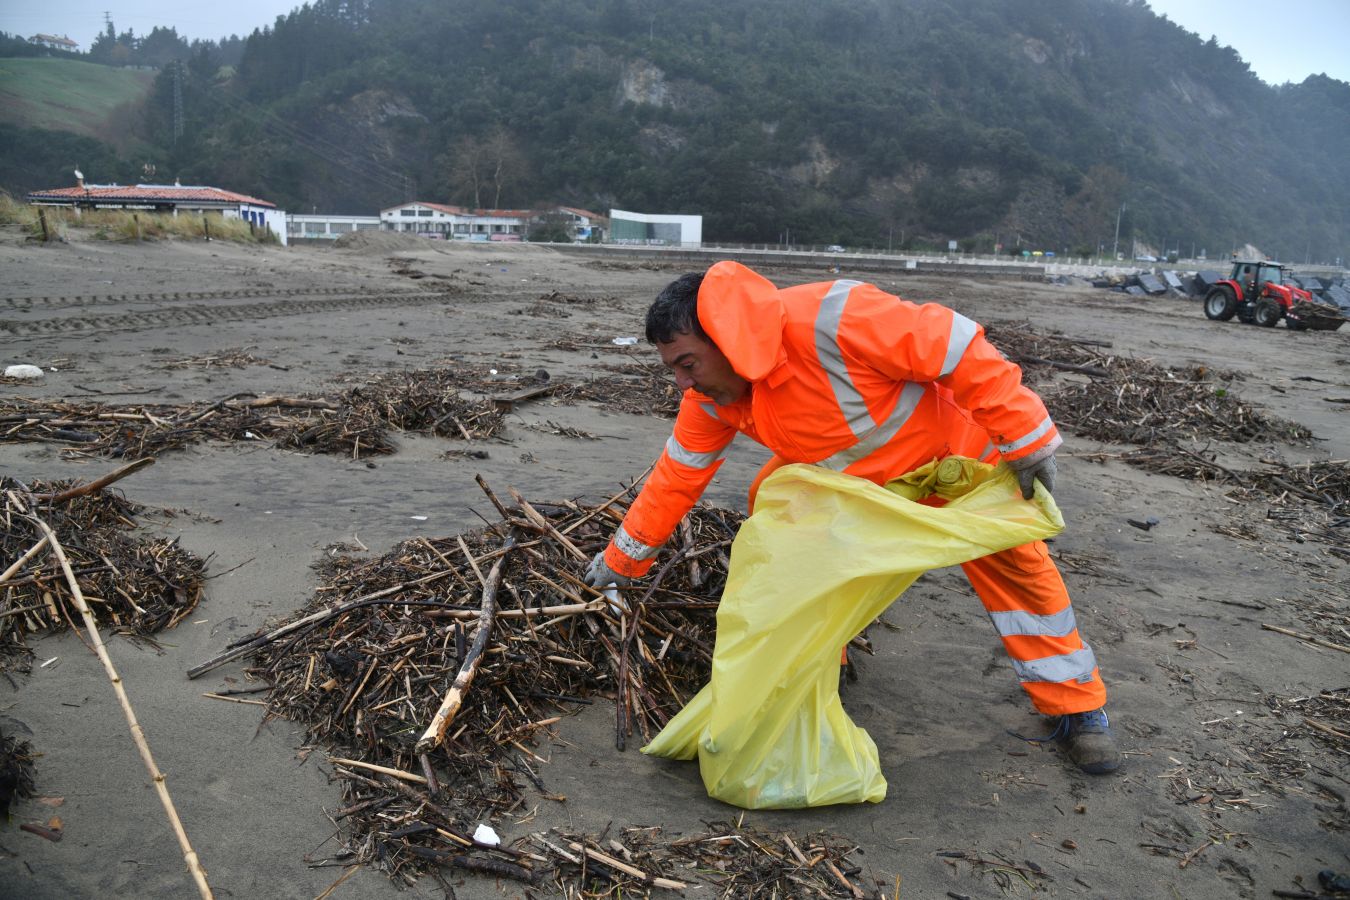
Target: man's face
698 364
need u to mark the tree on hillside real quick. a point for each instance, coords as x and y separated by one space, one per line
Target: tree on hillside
506 160
160 47
466 170
490 163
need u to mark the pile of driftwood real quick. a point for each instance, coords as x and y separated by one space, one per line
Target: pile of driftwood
736 861
138 585
1128 400
438 673
358 424
1133 401
1142 403
16 771
229 358
637 389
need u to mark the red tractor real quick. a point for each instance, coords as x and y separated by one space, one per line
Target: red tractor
1261 292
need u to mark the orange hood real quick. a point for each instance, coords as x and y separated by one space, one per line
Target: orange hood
741 311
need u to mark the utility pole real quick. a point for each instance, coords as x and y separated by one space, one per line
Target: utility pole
1115 247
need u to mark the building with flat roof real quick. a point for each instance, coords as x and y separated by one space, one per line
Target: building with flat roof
655 229
327 228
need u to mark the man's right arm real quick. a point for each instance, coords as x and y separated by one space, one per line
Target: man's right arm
691 457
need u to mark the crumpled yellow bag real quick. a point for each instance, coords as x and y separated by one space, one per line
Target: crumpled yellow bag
822 556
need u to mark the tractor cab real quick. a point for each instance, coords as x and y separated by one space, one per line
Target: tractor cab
1254 276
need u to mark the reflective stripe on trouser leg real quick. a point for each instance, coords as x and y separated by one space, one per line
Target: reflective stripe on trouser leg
1030 608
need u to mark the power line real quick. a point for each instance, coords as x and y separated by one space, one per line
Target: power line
389 179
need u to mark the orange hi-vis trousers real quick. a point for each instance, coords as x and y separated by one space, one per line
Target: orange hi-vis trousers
1026 599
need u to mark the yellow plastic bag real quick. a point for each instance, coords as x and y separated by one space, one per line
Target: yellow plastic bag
823 555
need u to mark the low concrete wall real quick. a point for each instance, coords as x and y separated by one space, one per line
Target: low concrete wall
844 262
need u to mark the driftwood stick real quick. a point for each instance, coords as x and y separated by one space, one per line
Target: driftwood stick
137 734
500 868
563 609
667 883
1326 729
97 484
468 668
18 563
544 525
1067 367
502 510
383 770
1311 639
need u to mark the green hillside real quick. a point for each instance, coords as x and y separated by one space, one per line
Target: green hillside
69 95
1072 125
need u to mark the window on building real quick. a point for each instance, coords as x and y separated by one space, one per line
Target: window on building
407 212
424 212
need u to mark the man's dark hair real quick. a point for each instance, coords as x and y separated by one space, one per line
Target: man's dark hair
675 310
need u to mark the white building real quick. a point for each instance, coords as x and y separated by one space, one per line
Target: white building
437 220
55 42
583 223
328 228
660 229
167 198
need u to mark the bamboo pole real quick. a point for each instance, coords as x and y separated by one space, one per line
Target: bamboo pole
98 484
468 668
18 563
137 734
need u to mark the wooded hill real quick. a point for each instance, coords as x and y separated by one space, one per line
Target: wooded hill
860 122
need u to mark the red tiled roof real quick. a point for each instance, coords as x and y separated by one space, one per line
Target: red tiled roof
581 212
147 193
451 210
500 213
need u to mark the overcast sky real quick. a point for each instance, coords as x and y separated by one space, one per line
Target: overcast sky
1282 40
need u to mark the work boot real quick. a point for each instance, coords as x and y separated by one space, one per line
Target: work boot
1085 738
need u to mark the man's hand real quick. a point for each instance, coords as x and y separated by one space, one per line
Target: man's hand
1030 468
599 575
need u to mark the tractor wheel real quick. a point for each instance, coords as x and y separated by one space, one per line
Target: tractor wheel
1267 313
1220 304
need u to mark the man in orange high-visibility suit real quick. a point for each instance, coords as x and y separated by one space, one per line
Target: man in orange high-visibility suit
841 374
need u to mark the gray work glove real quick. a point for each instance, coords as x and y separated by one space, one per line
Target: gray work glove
1032 467
600 576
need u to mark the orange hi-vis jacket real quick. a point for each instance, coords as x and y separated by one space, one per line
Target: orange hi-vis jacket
842 375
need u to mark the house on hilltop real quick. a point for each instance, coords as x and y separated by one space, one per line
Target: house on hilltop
167 198
53 42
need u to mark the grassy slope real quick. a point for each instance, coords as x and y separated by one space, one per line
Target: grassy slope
66 94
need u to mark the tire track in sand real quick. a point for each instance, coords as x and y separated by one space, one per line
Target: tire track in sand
211 315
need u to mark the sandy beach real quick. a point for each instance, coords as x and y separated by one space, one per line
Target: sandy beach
1209 706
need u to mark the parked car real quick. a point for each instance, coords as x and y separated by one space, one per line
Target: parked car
834 248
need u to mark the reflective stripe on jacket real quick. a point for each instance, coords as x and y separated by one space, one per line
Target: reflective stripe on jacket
842 375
